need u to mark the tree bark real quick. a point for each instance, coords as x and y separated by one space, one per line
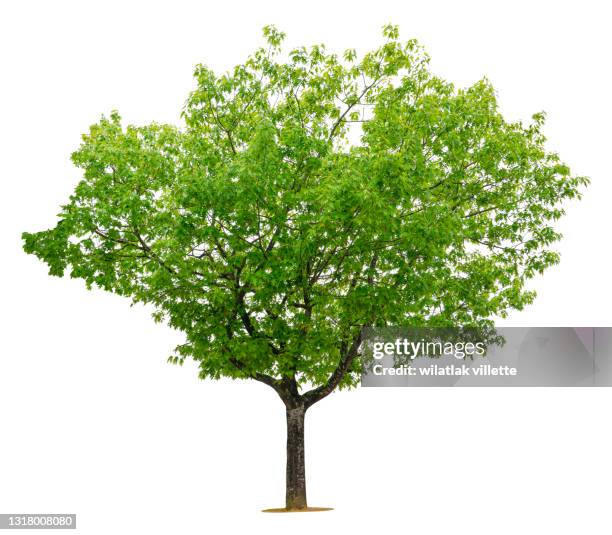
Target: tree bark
296 468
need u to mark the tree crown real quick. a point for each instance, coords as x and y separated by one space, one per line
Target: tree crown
307 196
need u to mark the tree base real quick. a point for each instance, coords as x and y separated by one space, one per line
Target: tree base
303 510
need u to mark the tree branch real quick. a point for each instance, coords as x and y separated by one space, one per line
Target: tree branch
317 394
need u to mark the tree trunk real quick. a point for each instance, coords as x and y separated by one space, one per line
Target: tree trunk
296 469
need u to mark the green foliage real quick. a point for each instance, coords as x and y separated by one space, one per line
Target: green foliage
307 196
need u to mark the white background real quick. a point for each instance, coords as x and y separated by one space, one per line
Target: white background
94 422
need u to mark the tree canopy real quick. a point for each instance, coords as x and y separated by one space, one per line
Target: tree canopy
308 195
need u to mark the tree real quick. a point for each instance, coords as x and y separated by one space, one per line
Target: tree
306 197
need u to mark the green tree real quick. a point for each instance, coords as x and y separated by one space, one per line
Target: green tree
308 196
